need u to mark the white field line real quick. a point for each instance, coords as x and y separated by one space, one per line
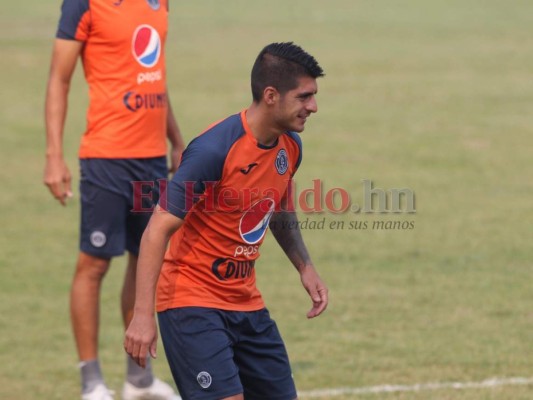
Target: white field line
419 387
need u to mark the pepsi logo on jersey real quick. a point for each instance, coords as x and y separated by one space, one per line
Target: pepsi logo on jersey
146 46
247 251
150 77
254 221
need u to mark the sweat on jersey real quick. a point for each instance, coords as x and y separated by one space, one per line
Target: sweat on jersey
226 189
124 64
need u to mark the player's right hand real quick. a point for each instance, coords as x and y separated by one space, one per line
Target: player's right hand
58 179
141 339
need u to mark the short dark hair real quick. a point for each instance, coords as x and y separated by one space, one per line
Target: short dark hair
280 65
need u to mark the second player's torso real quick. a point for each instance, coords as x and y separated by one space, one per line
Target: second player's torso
124 64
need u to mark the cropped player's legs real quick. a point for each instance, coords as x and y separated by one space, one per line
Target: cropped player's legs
84 308
101 238
85 303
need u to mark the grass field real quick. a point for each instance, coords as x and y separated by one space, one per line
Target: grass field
435 96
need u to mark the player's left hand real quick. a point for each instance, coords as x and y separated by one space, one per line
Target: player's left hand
317 290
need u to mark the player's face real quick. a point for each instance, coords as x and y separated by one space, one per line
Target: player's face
297 104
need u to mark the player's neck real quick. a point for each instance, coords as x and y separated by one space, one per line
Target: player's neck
260 123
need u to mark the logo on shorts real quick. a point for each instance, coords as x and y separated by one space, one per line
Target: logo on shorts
282 162
98 238
146 46
154 4
204 379
254 221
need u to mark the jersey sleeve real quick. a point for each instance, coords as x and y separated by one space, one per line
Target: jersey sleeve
201 164
75 20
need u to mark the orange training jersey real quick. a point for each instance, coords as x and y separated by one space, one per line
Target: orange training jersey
226 189
124 64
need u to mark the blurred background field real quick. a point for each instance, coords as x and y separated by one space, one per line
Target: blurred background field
435 96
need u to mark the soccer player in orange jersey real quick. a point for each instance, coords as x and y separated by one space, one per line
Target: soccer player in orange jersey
232 185
121 45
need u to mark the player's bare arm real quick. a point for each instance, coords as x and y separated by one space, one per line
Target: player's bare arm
141 335
56 173
285 228
175 138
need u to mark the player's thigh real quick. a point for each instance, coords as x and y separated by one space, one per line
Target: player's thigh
263 362
103 221
199 352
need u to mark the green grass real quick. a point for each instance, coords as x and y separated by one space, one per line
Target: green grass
433 96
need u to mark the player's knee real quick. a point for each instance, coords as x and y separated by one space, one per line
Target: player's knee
91 267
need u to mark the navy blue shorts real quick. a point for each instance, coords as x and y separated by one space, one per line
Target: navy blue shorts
215 354
113 217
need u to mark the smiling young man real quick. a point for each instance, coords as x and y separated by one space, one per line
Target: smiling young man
232 184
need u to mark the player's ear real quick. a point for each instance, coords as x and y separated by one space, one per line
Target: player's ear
270 95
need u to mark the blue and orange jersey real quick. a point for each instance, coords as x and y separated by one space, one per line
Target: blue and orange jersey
124 64
225 190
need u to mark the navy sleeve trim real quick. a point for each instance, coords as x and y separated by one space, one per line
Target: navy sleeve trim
71 14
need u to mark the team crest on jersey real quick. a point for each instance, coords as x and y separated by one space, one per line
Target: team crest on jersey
146 45
155 4
282 162
254 221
